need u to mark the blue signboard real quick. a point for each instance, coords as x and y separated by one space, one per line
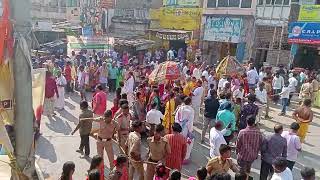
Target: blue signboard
304 33
87 31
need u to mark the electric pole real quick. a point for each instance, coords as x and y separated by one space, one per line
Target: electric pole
23 117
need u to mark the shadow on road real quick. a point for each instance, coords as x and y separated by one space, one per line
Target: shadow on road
57 125
46 150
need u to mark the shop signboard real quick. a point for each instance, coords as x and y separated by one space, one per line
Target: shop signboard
173 36
223 29
94 42
178 18
181 3
309 13
304 33
107 4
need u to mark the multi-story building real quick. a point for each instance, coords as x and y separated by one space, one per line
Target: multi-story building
227 28
271 31
48 10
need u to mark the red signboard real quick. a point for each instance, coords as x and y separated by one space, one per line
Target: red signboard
304 41
107 4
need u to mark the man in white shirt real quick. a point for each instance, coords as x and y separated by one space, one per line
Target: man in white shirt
212 80
216 139
262 74
284 96
128 88
293 144
196 72
153 118
222 82
293 83
252 77
281 171
261 95
277 83
238 93
197 99
185 69
205 73
170 55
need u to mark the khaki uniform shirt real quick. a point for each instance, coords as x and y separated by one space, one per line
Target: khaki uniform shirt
134 143
106 131
158 149
216 165
123 123
85 125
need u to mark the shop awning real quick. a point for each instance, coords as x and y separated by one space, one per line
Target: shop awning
170 34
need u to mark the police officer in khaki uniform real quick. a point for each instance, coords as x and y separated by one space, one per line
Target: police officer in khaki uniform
123 120
158 149
133 147
105 134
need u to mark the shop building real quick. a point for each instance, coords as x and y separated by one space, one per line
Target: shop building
304 35
227 27
176 25
271 45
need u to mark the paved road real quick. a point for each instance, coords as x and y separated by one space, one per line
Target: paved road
57 146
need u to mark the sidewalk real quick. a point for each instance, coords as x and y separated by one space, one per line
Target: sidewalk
5 170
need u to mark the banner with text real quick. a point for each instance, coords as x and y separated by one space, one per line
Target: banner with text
304 33
309 13
223 29
181 3
178 18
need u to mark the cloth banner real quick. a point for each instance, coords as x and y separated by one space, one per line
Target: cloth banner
38 89
177 18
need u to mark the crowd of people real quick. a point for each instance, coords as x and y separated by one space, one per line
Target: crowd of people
230 107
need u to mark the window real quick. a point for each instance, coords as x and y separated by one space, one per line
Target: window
212 3
234 3
246 3
286 2
279 2
230 3
260 2
268 1
223 3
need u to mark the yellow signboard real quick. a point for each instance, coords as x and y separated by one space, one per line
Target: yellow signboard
309 13
178 18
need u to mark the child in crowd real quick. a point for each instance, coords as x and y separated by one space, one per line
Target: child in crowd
201 174
284 96
120 171
115 107
161 172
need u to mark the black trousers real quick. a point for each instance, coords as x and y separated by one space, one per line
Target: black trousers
69 87
84 143
112 85
290 164
266 170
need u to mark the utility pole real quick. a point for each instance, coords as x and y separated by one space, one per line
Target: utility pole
23 117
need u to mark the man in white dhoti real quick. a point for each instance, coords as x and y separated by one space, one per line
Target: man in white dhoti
185 116
128 88
61 83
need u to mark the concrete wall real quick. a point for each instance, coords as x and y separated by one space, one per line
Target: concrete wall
273 55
